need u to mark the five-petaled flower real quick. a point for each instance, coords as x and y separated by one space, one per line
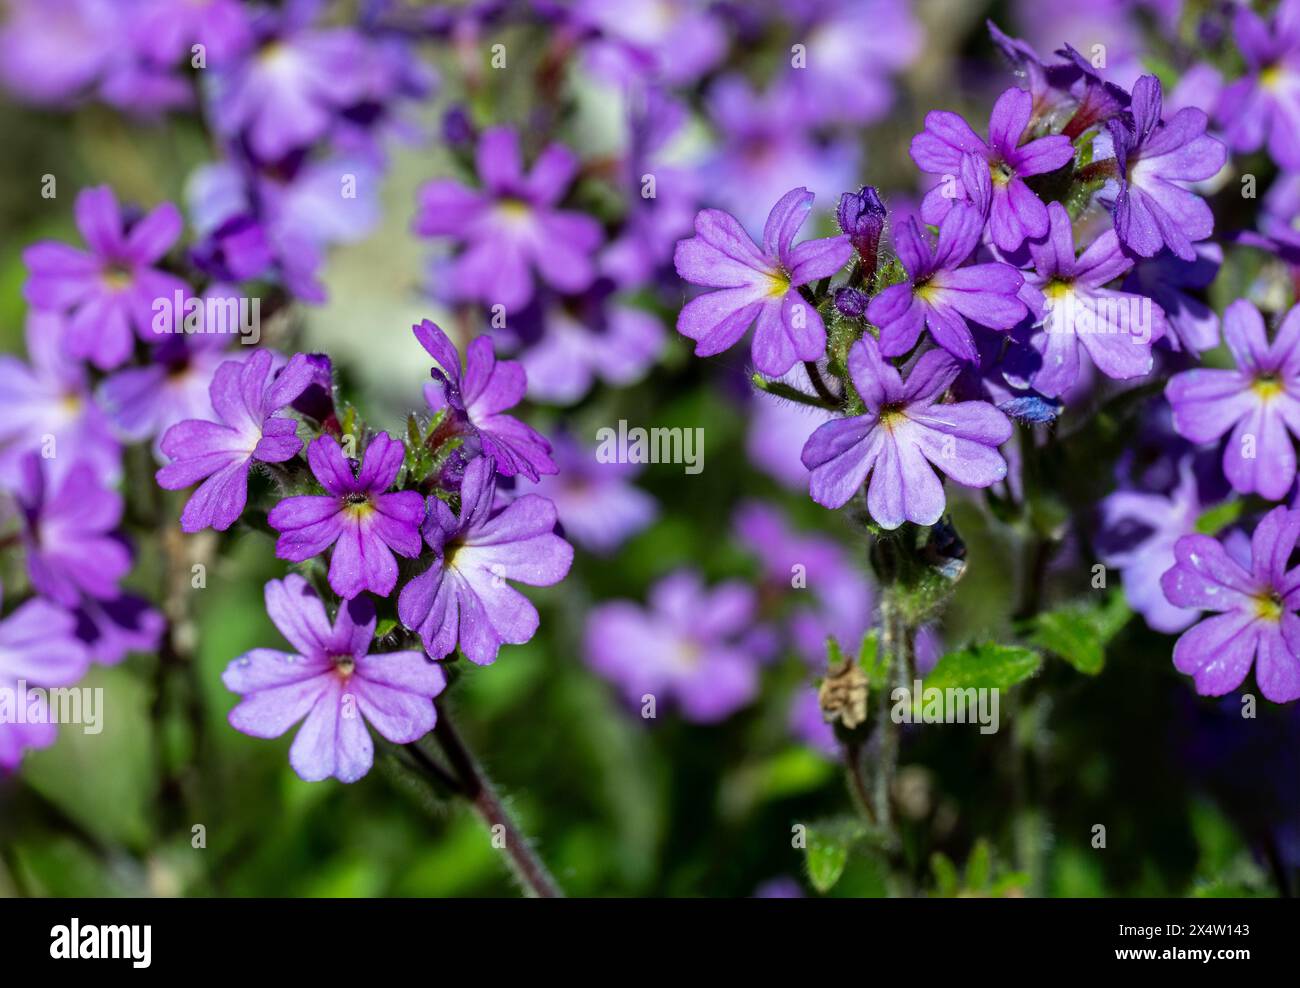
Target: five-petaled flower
356 516
332 680
758 285
464 597
905 429
1256 597
1259 402
245 397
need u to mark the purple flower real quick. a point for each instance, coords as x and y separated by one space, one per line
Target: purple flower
111 288
941 294
144 402
164 31
676 42
1259 401
1162 520
476 399
330 679
245 397
1016 212
1256 599
464 597
767 144
1166 279
288 91
38 647
904 431
570 343
1077 313
513 226
597 505
1264 106
1153 207
68 533
112 628
758 286
363 523
689 646
851 48
48 408
52 51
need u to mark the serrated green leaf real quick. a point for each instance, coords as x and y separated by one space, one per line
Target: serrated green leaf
984 666
1079 632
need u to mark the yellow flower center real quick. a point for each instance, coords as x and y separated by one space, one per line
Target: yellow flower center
778 284
116 277
1272 77
344 665
1058 288
892 416
358 505
1268 607
1267 386
1000 172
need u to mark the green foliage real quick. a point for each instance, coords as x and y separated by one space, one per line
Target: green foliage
1079 632
984 666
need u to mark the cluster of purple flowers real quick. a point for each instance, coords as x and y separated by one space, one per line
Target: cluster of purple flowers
363 500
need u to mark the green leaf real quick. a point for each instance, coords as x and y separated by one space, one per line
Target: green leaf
874 662
946 881
1219 517
1079 632
826 850
984 666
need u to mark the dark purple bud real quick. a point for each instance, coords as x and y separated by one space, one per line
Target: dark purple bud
851 302
317 401
862 217
1032 409
457 128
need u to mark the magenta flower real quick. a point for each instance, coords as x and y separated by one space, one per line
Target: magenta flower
758 285
1077 314
476 399
245 397
68 533
463 597
512 227
330 679
904 431
363 523
1157 160
1259 402
1016 213
1256 598
941 294
111 288
38 648
689 646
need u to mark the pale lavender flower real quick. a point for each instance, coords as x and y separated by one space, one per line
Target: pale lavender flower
333 681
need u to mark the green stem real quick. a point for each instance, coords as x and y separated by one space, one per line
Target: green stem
783 390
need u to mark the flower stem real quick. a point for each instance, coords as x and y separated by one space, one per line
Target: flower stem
782 390
476 787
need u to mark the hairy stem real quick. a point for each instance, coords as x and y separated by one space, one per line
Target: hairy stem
819 384
898 640
783 390
476 787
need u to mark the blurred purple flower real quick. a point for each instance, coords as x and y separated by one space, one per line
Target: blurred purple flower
689 646
758 286
1256 599
112 628
1264 105
598 507
1166 280
513 226
245 397
904 434
675 41
111 288
1161 521
38 648
68 533
333 681
463 598
49 408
